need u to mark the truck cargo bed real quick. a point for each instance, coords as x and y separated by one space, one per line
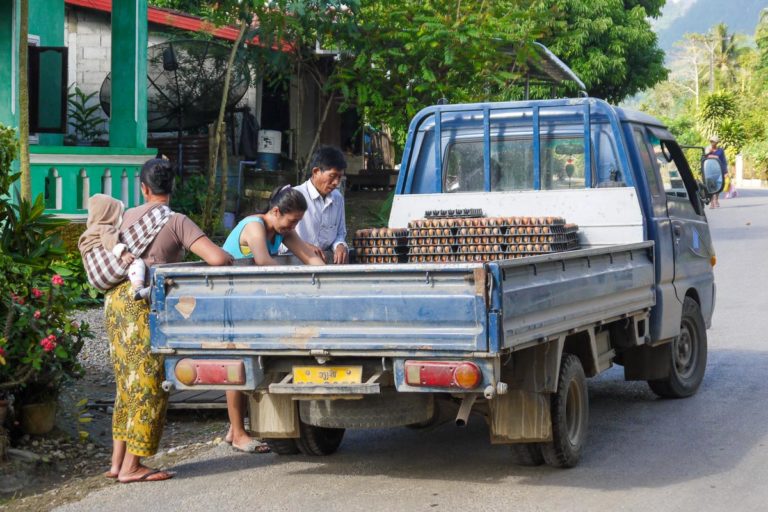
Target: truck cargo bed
396 308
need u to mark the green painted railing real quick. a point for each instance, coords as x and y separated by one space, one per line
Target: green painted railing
69 175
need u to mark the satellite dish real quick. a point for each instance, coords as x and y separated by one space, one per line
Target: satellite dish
185 83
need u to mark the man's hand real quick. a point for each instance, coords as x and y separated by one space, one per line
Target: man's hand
127 258
341 255
317 251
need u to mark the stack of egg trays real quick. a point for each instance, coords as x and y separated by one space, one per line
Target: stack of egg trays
488 239
432 240
381 245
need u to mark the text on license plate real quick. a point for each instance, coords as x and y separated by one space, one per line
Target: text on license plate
327 374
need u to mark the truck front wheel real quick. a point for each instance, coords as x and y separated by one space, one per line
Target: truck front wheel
688 352
319 440
569 407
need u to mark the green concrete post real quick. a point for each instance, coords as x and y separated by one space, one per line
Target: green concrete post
128 119
9 63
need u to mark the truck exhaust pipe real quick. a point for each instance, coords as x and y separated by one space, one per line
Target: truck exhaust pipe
462 417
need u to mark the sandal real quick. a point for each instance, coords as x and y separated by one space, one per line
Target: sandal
155 475
253 446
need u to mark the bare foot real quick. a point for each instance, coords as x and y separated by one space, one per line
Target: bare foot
144 474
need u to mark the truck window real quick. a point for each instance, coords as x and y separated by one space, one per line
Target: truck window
608 169
670 175
463 167
512 164
562 163
648 169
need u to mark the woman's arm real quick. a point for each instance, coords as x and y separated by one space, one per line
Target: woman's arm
254 235
301 249
211 253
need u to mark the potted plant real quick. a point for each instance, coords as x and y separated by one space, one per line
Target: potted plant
39 343
84 117
40 347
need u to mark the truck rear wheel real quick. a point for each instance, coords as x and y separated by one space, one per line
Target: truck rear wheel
688 352
319 440
282 446
569 407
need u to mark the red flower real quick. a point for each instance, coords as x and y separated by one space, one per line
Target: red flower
36 293
48 343
2 351
17 299
37 314
57 280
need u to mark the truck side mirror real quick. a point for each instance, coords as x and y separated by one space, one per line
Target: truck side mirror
712 172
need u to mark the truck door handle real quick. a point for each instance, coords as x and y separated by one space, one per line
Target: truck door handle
677 231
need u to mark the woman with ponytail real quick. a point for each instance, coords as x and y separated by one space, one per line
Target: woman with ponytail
259 236
140 402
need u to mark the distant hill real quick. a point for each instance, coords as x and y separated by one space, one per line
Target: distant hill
700 15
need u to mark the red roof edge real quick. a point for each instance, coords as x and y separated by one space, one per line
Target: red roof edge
171 18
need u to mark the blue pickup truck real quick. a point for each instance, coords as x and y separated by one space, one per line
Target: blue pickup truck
320 349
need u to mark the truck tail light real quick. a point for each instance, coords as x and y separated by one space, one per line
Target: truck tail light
443 374
191 372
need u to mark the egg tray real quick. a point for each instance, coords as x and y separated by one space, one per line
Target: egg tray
479 257
492 239
368 260
380 242
381 233
482 222
464 213
522 248
382 251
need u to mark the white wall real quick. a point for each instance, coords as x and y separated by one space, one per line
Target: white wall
88 34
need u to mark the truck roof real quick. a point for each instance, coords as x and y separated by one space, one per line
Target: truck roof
628 114
623 114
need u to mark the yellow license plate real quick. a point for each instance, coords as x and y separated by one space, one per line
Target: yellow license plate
327 374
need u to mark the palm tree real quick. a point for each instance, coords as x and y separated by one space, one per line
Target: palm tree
726 53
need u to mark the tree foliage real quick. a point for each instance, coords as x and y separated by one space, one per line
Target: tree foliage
395 57
610 44
718 88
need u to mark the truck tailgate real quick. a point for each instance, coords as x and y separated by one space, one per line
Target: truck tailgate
296 309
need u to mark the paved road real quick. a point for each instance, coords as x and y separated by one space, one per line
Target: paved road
706 453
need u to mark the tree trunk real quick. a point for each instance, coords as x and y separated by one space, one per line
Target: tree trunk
224 168
299 111
26 183
319 130
214 157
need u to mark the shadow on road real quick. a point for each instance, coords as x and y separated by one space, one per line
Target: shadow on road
631 431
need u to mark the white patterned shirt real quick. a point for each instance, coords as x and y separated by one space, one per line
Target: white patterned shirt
324 223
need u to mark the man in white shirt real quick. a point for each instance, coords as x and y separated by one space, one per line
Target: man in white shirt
324 223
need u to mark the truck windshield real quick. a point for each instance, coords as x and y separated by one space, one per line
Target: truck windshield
562 164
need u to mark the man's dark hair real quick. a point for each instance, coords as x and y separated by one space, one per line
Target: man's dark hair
287 200
158 174
329 157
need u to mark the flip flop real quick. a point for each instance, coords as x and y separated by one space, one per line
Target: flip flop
253 446
156 475
109 474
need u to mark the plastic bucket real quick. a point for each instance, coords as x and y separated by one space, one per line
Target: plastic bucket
268 161
269 141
